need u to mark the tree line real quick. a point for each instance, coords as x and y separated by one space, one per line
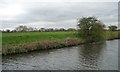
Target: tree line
23 28
83 23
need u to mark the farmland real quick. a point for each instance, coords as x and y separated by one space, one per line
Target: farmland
19 42
28 37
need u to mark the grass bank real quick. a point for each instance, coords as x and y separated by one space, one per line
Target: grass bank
30 41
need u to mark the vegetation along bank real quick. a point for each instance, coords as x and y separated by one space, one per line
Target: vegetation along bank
20 42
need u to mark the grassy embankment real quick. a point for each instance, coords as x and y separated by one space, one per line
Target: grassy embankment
29 41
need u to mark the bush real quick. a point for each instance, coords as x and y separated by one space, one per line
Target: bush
91 29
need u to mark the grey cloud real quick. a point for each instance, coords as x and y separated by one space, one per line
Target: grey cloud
59 12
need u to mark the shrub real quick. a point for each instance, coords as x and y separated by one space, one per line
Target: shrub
91 29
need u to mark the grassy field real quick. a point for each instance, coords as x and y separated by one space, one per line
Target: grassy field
19 42
28 37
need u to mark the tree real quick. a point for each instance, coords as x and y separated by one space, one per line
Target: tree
62 29
112 28
42 29
30 29
71 29
56 29
91 29
21 28
7 30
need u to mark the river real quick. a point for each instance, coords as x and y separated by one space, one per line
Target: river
97 56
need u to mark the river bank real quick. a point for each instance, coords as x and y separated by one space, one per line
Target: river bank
99 56
67 41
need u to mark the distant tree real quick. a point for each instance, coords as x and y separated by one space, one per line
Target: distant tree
39 30
35 29
3 31
21 28
14 30
42 29
71 29
30 29
112 28
7 30
62 29
91 29
51 29
56 29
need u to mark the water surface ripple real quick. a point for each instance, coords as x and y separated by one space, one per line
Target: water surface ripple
99 56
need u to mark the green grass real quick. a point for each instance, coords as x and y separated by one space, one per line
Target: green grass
28 37
111 34
20 42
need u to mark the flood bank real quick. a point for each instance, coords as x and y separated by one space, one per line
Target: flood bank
42 45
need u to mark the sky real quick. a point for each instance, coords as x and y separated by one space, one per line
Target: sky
55 13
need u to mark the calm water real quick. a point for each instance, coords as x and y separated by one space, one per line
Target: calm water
102 56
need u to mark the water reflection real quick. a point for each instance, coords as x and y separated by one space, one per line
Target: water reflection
90 55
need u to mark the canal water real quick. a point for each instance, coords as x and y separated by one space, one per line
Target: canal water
96 56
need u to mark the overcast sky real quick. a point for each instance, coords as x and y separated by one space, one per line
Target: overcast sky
61 14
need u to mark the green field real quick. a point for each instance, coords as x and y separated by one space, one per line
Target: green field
27 37
19 42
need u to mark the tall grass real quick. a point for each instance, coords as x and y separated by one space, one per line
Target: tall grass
39 45
109 35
